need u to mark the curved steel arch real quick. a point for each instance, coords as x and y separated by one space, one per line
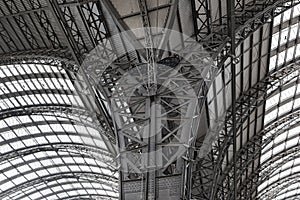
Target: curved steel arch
279 143
32 92
37 123
61 184
58 133
71 121
45 109
66 73
291 151
101 178
266 172
247 103
46 18
278 173
253 17
284 191
269 174
68 65
84 197
31 56
286 181
79 147
261 7
250 194
54 61
283 86
57 110
63 108
35 76
69 190
256 154
257 139
263 177
40 108
57 156
283 102
294 114
291 196
72 77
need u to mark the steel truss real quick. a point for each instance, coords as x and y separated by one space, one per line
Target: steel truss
78 188
79 175
251 151
40 44
65 70
130 113
283 183
256 97
216 36
41 15
72 74
248 18
79 149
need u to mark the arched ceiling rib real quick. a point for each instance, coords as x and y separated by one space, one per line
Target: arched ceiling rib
280 156
71 29
257 98
48 130
250 110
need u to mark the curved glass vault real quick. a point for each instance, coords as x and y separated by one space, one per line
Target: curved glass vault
54 142
280 155
50 147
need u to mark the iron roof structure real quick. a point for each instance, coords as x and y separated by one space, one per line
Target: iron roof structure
149 99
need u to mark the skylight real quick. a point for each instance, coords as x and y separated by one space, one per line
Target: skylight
42 137
280 153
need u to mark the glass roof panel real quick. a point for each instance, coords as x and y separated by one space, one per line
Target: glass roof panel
295 186
293 12
44 134
282 152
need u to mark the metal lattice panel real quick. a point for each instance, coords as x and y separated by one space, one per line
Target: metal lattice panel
45 134
60 126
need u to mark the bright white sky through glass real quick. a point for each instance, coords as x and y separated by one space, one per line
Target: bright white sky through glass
44 147
283 99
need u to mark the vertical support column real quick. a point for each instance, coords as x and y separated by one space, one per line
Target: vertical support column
150 132
150 55
231 34
201 18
